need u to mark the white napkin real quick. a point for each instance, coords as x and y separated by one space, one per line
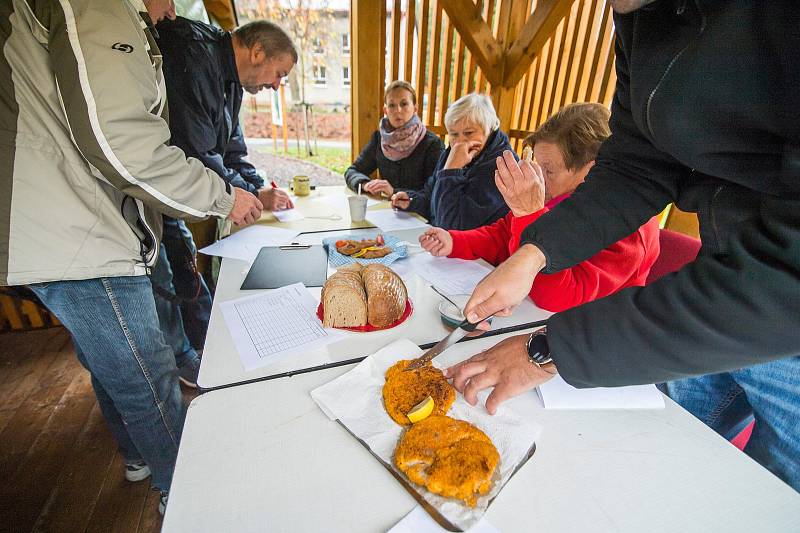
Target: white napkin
355 399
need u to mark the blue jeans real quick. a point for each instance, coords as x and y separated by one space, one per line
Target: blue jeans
170 317
115 328
175 273
770 393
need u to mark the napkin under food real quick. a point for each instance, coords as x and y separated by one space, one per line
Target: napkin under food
336 259
355 399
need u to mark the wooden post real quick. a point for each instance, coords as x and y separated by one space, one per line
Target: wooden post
368 26
512 18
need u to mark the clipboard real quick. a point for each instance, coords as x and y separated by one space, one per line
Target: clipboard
278 266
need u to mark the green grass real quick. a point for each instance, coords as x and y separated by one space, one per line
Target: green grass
335 159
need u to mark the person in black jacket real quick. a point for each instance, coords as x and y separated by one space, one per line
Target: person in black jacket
705 114
402 150
461 193
206 70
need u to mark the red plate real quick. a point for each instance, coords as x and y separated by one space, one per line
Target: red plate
407 313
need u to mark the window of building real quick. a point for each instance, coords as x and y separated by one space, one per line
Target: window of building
316 46
346 76
320 75
345 43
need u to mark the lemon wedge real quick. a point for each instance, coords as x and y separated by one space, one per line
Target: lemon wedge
421 411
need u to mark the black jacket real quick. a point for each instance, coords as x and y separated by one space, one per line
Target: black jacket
205 96
464 198
705 114
407 174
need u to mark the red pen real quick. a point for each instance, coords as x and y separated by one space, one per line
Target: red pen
274 185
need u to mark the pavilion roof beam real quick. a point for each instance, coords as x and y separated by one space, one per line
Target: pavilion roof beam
477 35
539 27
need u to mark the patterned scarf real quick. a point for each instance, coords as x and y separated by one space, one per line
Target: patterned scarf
398 143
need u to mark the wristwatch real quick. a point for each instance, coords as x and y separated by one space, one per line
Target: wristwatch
539 351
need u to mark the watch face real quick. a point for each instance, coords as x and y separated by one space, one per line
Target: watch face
539 349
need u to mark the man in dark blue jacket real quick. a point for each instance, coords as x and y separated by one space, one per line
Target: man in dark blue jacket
206 70
706 114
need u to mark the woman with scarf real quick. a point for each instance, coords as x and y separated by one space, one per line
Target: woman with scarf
403 150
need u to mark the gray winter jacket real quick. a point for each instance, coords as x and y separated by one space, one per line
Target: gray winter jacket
85 171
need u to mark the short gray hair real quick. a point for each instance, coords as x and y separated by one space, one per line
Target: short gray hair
272 38
476 108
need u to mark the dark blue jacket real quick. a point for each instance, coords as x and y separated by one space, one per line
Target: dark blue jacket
464 198
205 96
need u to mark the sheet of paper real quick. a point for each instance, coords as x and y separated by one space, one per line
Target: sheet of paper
452 276
288 215
275 324
391 220
340 202
558 394
246 243
418 521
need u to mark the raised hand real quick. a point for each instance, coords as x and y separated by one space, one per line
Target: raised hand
521 184
461 153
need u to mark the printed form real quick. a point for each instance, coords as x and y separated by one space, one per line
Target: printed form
271 325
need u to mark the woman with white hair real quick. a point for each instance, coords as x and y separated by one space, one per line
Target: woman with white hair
461 193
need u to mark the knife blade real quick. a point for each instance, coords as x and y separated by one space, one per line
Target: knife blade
456 335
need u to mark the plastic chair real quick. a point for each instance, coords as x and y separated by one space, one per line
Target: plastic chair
677 250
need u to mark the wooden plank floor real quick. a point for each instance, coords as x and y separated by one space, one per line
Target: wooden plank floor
59 463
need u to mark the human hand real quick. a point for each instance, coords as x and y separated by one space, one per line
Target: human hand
400 200
246 208
505 367
437 242
461 153
501 291
379 188
521 184
274 199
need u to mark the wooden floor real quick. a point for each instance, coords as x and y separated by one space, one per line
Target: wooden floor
59 464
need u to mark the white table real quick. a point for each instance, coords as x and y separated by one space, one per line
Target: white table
222 367
263 457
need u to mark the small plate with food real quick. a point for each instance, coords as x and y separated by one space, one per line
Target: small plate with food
383 249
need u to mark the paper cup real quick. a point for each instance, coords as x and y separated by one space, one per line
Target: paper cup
358 208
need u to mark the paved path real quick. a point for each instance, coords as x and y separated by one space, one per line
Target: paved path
283 168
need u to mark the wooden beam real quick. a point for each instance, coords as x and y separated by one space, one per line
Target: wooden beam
511 21
467 19
367 28
544 20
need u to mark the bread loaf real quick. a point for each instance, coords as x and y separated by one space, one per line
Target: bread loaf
356 296
344 301
386 295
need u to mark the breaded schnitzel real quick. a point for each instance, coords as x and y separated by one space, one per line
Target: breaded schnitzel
449 457
403 390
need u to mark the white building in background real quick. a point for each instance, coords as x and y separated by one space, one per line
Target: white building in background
328 70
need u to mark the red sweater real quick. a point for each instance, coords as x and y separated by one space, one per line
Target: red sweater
624 264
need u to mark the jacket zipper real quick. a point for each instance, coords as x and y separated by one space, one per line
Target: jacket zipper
669 67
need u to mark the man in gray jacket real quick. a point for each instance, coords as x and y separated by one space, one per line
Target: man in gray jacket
86 174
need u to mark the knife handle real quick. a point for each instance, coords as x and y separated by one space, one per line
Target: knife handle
468 326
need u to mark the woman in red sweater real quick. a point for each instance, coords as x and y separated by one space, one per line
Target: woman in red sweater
565 147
